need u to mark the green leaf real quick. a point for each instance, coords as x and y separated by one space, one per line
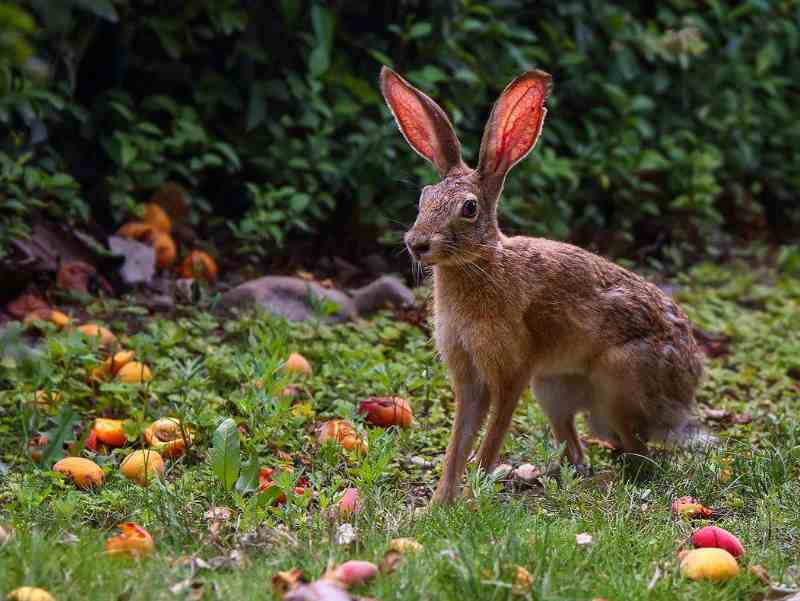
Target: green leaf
225 458
63 431
419 30
248 477
101 8
323 23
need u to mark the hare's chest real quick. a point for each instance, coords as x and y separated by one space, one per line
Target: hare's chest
495 348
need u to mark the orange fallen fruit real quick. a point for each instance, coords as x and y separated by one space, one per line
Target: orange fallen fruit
29 593
709 563
342 432
117 361
133 541
83 472
350 502
297 364
166 436
134 373
386 411
104 335
199 266
110 432
157 217
37 445
691 508
147 233
164 246
142 466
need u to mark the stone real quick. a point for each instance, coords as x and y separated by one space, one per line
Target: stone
293 298
384 293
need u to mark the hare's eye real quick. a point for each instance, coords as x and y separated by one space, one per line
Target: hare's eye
469 209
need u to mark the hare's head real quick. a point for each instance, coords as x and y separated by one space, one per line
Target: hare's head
457 219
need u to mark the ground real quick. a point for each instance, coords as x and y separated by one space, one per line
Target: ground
207 369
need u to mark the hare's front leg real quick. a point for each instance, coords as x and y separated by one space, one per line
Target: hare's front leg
472 404
504 401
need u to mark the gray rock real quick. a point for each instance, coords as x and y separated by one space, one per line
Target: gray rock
293 298
140 260
385 292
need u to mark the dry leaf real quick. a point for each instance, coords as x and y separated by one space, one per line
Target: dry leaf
759 572
26 304
405 545
392 560
283 582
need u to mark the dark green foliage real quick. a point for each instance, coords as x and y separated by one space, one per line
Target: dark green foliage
671 125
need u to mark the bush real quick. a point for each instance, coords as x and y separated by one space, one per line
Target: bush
671 125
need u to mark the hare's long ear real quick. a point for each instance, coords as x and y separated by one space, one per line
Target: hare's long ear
423 123
513 128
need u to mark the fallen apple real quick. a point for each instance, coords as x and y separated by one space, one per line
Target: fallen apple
297 364
137 230
104 335
29 593
350 502
342 432
157 217
691 508
199 266
523 582
133 541
386 411
61 320
110 432
84 473
146 233
714 536
37 445
352 573
166 436
709 564
142 466
117 361
134 373
57 318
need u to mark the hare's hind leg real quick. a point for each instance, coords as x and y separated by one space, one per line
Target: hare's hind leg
561 397
472 404
625 380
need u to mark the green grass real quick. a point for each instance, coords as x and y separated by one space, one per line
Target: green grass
206 370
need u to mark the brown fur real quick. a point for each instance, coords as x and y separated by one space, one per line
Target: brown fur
588 335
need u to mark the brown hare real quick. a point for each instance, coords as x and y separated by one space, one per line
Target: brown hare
586 334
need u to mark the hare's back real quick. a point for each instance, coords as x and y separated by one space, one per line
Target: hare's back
585 296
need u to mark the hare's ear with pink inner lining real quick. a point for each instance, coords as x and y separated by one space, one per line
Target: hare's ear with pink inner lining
423 123
513 128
